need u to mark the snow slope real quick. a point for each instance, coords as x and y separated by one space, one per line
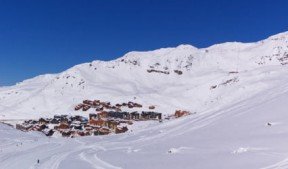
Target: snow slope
229 129
236 136
127 77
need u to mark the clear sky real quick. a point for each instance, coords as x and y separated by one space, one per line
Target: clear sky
38 37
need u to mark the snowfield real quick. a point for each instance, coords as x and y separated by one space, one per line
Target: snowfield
238 92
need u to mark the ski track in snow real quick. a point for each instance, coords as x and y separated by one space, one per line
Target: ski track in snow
280 165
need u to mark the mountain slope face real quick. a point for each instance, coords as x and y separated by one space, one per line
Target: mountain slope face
251 134
211 78
239 92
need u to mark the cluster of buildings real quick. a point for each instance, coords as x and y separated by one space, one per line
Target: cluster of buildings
73 126
136 116
101 106
106 119
101 123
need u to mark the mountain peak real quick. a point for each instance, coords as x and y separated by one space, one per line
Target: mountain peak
279 36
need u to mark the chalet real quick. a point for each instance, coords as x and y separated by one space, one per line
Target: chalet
87 133
118 109
30 122
96 103
57 117
104 104
43 121
55 121
156 115
42 127
65 120
118 105
145 115
151 107
120 115
79 118
88 102
76 118
100 108
104 131
62 126
88 128
125 115
151 115
76 127
101 131
80 133
63 116
112 114
135 115
38 127
96 132
121 130
112 124
79 106
23 127
34 128
138 105
107 107
48 132
66 133
86 107
98 122
179 113
92 116
102 114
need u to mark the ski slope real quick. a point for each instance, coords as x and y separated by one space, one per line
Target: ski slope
236 136
228 130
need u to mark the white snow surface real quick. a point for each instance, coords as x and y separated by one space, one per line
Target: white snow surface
229 129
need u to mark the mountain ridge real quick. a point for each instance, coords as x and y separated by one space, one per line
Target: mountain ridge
171 78
279 36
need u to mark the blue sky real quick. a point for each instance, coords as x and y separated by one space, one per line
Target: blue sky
38 37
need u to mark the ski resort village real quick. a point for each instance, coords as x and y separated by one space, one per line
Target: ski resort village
168 108
109 119
146 84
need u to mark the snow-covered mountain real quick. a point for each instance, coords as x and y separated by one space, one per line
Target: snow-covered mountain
128 78
239 92
237 136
